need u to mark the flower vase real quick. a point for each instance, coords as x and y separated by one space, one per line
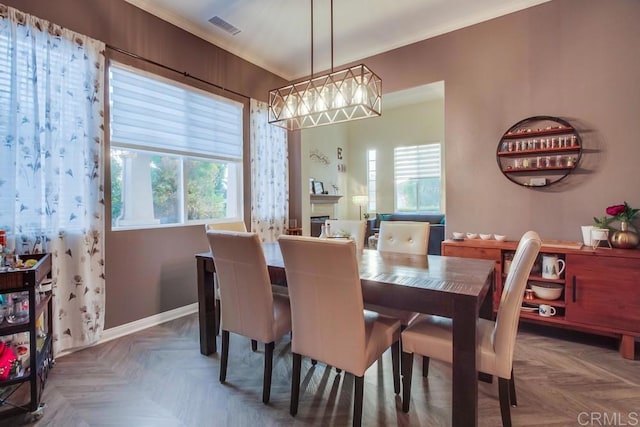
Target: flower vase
624 238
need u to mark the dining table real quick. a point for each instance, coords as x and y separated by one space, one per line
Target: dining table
453 287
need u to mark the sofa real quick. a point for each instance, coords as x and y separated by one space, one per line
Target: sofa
436 233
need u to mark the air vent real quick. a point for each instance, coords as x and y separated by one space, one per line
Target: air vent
224 25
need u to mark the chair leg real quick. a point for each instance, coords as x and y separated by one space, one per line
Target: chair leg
217 317
268 367
407 371
512 390
254 345
358 386
425 366
505 409
395 361
224 357
295 383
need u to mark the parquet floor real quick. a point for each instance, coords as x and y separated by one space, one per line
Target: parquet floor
157 377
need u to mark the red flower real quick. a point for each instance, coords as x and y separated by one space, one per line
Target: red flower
615 210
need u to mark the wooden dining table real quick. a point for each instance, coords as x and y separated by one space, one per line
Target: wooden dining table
453 287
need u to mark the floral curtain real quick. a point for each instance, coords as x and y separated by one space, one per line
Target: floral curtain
51 164
269 175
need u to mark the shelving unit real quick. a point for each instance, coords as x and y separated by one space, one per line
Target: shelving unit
539 151
600 293
21 393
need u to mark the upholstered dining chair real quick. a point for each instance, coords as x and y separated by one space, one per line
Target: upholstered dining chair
328 317
354 228
249 308
405 237
431 336
228 226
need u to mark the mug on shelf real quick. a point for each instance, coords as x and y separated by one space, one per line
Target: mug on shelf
552 266
546 310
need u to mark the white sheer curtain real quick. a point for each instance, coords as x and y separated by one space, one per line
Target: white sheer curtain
51 163
269 175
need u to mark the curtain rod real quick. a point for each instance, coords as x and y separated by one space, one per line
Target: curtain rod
166 67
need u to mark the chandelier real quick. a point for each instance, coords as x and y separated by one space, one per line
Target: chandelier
348 94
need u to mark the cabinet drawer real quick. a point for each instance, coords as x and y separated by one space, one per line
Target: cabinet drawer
472 252
603 291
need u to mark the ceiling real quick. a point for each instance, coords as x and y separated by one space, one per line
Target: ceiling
276 34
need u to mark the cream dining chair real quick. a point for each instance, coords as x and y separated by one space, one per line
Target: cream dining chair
405 237
328 318
355 229
249 308
431 336
227 226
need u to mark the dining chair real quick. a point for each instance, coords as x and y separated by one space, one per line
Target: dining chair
431 336
249 308
407 237
355 229
228 226
328 317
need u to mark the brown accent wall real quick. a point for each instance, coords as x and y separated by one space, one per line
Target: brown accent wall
152 271
578 59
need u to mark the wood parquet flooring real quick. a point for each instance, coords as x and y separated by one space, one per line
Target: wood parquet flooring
157 377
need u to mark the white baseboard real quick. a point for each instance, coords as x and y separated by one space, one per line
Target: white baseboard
138 325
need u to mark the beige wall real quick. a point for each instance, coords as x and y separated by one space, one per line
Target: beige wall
409 125
399 126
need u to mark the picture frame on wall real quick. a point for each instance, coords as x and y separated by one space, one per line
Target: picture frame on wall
318 187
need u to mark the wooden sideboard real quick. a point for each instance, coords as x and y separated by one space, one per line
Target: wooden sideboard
601 287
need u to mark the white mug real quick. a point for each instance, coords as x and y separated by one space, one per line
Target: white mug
546 310
552 266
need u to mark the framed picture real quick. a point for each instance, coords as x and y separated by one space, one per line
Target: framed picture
318 187
311 190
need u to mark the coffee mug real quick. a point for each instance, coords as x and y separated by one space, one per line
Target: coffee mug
552 266
546 310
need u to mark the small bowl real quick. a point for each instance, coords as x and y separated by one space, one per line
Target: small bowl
472 235
500 237
458 236
547 291
485 236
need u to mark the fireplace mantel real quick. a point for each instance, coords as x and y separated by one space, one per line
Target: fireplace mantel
324 198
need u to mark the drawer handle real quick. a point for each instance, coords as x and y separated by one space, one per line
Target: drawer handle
574 288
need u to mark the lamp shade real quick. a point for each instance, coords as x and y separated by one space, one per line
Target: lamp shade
360 200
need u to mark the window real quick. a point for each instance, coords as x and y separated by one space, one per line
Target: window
418 181
176 152
371 179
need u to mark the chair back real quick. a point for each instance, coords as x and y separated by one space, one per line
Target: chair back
229 226
327 317
354 228
408 237
245 288
506 325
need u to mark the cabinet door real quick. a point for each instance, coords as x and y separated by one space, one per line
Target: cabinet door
603 291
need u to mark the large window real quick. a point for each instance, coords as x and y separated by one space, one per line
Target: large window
176 152
418 182
371 179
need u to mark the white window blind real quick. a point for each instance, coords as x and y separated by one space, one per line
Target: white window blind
147 112
418 161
